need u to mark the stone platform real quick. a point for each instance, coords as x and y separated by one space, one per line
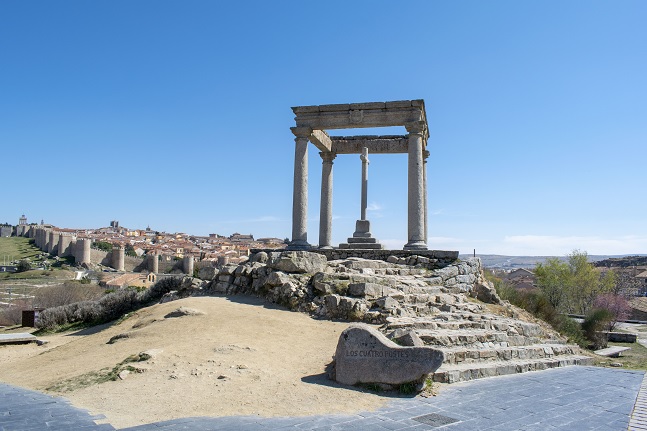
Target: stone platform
434 258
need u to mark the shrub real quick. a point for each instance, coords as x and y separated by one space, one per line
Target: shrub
66 293
617 305
23 266
103 245
595 325
109 307
571 329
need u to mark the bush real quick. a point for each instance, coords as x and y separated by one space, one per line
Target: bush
571 329
617 305
109 307
66 293
23 266
164 286
595 325
103 245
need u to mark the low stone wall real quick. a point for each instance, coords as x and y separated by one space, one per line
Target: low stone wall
621 337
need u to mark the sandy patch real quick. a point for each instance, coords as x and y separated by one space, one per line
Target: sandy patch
241 357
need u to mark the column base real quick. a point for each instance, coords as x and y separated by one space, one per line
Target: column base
299 245
415 245
325 247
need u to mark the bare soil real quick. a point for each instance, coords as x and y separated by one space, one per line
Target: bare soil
241 357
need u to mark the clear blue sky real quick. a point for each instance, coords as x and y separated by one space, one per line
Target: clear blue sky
177 115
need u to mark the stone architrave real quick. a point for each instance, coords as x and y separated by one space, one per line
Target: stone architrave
365 355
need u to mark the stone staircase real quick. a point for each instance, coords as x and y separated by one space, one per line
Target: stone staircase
478 345
417 300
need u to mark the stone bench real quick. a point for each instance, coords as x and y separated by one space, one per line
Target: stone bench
611 352
17 338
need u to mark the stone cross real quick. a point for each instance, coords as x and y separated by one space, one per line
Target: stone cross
365 162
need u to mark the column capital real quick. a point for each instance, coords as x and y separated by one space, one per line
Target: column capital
417 128
301 132
327 156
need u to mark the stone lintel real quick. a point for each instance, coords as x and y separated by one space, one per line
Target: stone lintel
396 104
375 144
359 115
321 140
361 118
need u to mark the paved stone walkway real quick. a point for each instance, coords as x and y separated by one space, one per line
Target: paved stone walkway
570 398
638 419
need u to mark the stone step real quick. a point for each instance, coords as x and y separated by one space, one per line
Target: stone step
479 338
461 355
361 246
453 321
464 372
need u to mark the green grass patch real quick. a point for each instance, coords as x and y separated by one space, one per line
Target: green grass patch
17 248
76 326
98 377
634 359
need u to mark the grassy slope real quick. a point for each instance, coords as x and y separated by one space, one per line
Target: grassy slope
16 248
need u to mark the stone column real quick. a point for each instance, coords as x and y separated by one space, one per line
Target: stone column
364 158
325 211
416 218
425 155
300 194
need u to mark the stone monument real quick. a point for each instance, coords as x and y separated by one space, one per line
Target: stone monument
311 125
362 238
365 355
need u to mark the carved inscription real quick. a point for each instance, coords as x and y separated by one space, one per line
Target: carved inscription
385 354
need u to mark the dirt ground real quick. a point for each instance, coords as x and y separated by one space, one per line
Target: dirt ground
241 357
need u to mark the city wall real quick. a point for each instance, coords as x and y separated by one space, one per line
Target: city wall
65 244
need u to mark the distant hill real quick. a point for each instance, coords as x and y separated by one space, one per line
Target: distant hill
515 262
623 262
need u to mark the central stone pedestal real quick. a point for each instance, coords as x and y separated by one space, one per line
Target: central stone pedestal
362 238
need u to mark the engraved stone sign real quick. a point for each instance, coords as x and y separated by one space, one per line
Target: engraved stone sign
365 355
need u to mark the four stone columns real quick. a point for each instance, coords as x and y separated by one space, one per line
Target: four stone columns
416 205
325 211
300 194
417 191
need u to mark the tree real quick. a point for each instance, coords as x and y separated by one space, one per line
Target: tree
572 286
103 245
23 266
130 250
553 281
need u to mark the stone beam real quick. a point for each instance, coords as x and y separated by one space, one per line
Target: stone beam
360 115
321 140
375 144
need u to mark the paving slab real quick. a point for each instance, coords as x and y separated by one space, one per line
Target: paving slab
569 398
